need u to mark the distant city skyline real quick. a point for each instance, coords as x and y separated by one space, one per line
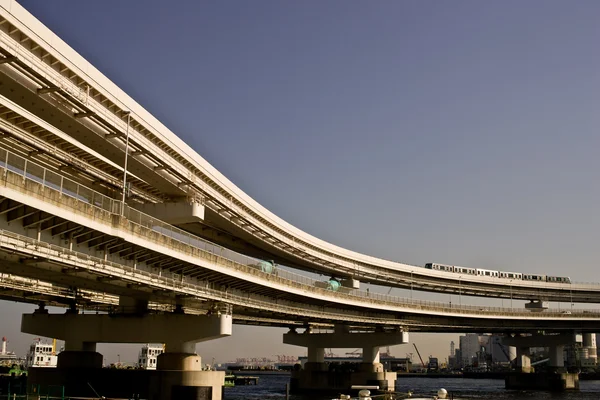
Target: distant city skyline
462 132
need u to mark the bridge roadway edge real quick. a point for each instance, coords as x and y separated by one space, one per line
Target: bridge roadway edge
118 226
34 29
54 209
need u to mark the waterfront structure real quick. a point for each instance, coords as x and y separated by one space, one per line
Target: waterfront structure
582 353
469 345
483 351
41 355
498 352
80 221
147 359
7 357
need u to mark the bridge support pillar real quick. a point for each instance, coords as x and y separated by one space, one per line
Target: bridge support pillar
589 343
78 354
555 378
179 373
318 376
370 360
557 359
523 360
316 354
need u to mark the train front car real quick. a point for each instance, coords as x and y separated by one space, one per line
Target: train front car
440 267
558 279
497 274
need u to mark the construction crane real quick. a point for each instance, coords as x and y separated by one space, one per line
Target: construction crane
419 354
507 354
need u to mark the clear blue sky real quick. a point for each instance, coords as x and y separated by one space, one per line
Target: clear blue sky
463 132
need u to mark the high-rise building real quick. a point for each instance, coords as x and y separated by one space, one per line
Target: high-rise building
469 346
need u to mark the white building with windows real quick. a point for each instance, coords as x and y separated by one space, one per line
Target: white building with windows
149 354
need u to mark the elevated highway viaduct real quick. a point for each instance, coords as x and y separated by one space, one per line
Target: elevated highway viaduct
102 206
58 110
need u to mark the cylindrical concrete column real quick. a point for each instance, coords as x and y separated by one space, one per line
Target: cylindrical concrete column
79 359
371 355
557 359
589 342
179 356
179 362
79 355
180 347
523 359
316 354
75 345
370 361
512 353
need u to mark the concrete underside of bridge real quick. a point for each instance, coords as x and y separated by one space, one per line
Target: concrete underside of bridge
178 374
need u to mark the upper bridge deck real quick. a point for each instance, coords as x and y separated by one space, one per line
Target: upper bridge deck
60 112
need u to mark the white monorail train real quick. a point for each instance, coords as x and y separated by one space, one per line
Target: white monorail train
497 274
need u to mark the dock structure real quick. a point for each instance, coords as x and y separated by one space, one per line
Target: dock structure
245 380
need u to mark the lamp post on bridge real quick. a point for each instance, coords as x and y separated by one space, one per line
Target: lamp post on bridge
511 293
571 293
125 163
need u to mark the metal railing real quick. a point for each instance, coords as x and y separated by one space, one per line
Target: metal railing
23 174
25 244
57 79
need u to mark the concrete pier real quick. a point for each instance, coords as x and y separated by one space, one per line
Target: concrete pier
554 382
554 378
317 376
179 374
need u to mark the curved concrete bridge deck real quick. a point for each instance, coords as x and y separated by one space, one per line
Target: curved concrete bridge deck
60 107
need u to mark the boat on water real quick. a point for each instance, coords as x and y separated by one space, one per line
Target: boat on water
365 394
41 355
229 380
233 380
7 358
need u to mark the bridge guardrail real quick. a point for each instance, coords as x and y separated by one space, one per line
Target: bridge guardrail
27 245
34 178
7 239
57 79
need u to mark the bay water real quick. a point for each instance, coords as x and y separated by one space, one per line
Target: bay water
271 387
